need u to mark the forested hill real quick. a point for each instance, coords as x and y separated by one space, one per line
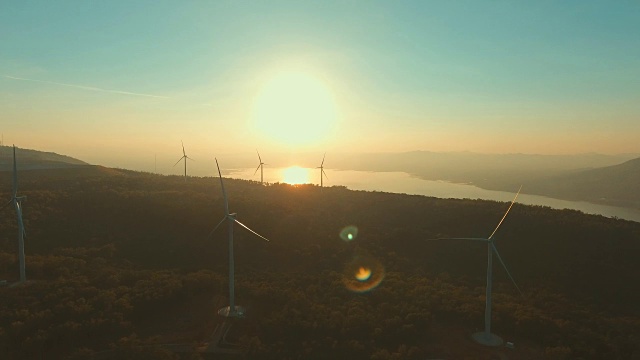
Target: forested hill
120 262
617 185
34 159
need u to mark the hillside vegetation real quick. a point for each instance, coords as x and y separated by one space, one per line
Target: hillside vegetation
34 159
117 260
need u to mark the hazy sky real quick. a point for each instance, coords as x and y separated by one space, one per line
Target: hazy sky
99 80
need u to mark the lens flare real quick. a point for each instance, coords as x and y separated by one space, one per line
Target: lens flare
363 274
349 233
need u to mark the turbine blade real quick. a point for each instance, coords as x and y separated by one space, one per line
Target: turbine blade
183 153
472 239
224 193
246 227
323 156
505 214
7 204
15 173
505 267
259 158
178 161
325 174
258 168
217 226
186 157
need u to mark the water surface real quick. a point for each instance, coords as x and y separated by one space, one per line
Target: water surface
400 182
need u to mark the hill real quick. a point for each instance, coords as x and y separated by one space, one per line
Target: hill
595 178
34 159
122 261
617 185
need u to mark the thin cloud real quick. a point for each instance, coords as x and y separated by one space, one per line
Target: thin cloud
91 88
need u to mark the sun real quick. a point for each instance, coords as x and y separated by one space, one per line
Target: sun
294 108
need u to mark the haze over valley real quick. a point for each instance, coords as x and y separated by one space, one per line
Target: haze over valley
319 180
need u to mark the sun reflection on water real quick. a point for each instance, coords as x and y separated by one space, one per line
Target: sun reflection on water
295 175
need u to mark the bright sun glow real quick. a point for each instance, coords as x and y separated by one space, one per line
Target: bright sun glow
294 108
295 175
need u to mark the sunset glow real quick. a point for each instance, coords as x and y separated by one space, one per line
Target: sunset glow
294 108
295 175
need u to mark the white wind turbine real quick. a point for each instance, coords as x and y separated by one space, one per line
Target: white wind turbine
261 167
232 310
322 173
17 205
486 337
185 157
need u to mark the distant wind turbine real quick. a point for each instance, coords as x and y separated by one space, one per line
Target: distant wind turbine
321 167
232 310
17 205
185 157
486 337
261 167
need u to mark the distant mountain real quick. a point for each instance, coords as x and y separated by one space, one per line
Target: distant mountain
33 159
505 172
617 185
605 179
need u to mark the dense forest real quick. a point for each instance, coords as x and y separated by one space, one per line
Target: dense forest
121 263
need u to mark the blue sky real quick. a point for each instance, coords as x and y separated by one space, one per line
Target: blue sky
491 76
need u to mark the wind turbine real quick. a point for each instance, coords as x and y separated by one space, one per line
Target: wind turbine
486 337
17 205
261 167
321 167
185 157
232 310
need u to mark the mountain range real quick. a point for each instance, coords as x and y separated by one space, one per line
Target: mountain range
617 185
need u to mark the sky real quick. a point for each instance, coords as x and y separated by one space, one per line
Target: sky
122 83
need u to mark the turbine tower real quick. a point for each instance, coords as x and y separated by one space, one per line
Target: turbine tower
185 157
232 310
321 167
17 205
486 337
261 167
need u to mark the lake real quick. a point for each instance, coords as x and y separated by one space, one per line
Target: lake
403 183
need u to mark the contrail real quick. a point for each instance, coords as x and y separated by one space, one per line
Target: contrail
85 87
